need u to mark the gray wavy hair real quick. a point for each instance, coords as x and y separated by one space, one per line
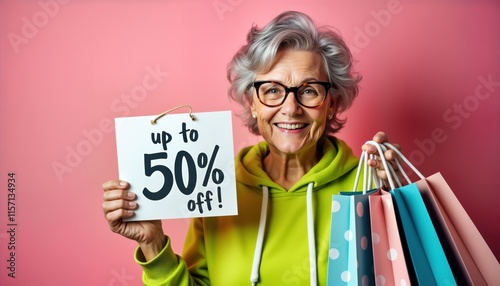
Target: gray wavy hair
297 31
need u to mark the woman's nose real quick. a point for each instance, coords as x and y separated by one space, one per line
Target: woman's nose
291 106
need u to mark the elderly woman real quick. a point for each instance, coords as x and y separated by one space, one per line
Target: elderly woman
293 80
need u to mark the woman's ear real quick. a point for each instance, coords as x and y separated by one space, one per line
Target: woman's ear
253 109
331 106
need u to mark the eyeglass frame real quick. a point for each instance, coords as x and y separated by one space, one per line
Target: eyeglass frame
294 90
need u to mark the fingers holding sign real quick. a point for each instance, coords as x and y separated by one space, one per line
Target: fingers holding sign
118 201
118 204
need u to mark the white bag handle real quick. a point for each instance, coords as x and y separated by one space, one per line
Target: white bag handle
414 169
391 169
364 158
369 174
358 172
384 147
392 177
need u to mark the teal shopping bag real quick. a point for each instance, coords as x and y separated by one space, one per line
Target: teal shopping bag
429 261
350 260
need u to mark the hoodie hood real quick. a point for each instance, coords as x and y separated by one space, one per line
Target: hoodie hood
337 160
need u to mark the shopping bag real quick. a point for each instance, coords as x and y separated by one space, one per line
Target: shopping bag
350 259
389 261
471 259
429 263
468 240
463 266
350 256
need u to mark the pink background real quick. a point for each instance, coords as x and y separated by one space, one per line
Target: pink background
68 68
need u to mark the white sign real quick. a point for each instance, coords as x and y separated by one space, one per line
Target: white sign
178 167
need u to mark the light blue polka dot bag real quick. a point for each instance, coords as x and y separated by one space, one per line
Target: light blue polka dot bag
350 256
350 259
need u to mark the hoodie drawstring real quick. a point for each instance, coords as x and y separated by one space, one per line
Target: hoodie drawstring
260 237
254 278
310 236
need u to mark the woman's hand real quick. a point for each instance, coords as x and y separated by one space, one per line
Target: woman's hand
389 155
118 204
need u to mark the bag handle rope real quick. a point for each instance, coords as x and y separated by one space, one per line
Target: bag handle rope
368 171
153 121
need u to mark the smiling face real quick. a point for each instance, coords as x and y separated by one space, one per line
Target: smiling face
292 128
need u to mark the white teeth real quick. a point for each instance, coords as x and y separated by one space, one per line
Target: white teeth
290 126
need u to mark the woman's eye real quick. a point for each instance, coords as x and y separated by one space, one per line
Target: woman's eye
309 91
272 91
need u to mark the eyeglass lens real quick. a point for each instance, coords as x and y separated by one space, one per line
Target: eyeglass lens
308 94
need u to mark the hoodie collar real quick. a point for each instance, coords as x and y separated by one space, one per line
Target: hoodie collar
336 161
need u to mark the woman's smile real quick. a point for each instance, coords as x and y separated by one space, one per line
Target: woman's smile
291 126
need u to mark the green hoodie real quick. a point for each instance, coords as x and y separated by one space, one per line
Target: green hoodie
221 250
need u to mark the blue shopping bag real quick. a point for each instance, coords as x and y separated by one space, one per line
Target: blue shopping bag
428 258
350 260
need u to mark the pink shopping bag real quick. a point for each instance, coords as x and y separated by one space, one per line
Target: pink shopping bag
388 256
475 262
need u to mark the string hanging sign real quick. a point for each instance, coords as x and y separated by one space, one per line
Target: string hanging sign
178 165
